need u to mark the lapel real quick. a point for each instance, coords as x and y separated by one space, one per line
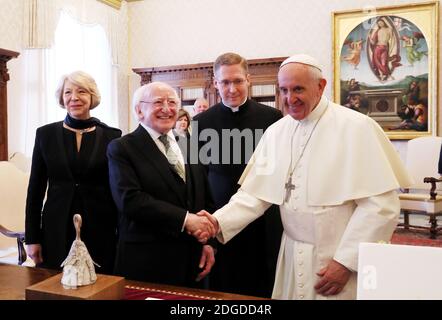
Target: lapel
147 147
99 137
183 143
62 149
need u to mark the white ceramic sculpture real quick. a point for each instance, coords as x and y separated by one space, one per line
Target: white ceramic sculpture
78 267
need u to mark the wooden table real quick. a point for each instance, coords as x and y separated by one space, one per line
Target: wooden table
14 280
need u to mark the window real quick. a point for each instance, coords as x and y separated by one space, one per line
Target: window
80 46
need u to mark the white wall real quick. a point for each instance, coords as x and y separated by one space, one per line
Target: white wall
10 39
169 32
11 32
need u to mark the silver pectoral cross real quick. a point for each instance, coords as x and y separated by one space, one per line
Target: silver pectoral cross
288 189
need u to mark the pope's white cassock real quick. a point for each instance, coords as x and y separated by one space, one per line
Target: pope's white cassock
344 173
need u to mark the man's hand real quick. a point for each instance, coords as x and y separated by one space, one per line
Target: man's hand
34 252
333 279
207 261
203 236
201 226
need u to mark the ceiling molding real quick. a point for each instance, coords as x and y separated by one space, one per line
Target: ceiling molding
113 3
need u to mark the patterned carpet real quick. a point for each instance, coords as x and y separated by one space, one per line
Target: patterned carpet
415 238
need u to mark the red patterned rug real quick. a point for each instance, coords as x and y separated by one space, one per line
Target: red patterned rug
415 238
144 293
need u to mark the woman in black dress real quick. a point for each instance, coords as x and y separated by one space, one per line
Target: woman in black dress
69 168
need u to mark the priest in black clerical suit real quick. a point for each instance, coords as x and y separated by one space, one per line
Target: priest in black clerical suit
156 200
246 264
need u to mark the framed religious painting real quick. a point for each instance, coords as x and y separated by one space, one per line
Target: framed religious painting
386 66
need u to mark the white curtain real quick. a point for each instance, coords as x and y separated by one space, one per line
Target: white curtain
80 46
39 23
76 46
34 100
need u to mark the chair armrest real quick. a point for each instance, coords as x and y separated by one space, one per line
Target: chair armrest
433 181
20 236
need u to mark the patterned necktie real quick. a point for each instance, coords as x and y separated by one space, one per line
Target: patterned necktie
173 158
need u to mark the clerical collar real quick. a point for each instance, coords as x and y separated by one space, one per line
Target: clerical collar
155 135
235 109
317 112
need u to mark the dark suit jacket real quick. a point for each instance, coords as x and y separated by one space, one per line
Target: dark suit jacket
50 170
152 202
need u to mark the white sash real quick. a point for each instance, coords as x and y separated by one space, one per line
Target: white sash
299 226
323 227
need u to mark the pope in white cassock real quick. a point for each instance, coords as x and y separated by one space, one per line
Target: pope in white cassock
334 174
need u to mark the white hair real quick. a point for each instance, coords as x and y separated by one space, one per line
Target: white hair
83 80
315 73
144 90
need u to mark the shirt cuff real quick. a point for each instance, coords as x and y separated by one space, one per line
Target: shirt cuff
184 223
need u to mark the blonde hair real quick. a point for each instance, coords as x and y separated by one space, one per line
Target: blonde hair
229 59
83 80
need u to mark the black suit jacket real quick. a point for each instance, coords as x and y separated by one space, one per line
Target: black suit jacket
49 224
152 202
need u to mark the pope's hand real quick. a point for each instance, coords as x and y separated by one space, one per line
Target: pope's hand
202 235
333 279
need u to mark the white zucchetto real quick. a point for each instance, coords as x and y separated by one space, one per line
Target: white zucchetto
304 59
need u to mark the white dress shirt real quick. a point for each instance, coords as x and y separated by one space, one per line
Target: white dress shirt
173 145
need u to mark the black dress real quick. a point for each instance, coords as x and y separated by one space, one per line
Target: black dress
78 160
247 263
76 182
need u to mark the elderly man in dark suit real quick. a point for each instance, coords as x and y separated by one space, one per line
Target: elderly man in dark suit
157 194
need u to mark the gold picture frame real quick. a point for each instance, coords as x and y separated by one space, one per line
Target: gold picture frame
386 66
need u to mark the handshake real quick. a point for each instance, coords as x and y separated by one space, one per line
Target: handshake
202 226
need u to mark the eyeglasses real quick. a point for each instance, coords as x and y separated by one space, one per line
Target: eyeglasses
160 103
227 83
